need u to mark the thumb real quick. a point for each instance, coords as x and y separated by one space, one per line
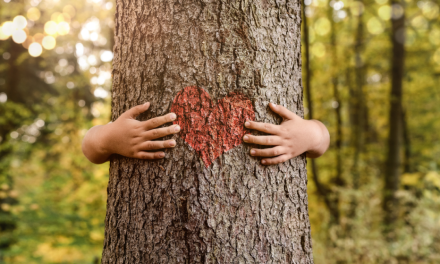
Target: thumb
282 111
137 110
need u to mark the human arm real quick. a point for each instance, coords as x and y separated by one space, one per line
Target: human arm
129 137
291 138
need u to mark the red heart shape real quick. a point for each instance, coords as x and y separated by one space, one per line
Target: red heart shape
211 129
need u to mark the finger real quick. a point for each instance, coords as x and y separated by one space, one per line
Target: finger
137 110
282 111
161 132
149 155
270 152
158 121
262 140
275 160
153 145
263 127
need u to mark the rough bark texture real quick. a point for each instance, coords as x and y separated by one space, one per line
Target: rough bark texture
179 210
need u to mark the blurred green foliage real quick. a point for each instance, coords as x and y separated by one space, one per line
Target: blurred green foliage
52 200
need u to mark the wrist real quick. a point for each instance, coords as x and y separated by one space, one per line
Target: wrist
319 139
104 145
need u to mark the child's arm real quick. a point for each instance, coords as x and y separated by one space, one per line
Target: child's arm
291 138
129 137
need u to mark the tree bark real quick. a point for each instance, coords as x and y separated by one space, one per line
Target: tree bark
182 209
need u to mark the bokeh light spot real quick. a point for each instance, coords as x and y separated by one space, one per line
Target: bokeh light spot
38 38
19 22
3 98
70 85
69 10
100 93
8 28
63 28
51 27
384 12
374 26
397 11
322 26
35 49
430 10
6 55
106 56
19 36
33 14
419 22
92 60
3 36
49 42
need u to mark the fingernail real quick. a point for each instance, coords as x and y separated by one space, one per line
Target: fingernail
162 155
173 116
172 143
263 161
245 138
274 105
253 152
146 103
177 128
247 124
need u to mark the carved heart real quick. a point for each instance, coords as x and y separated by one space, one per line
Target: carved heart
211 129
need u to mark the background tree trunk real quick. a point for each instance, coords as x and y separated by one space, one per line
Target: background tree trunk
393 162
178 210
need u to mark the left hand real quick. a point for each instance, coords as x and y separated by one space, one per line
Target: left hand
291 138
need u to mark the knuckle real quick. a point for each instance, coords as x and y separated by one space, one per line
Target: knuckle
275 152
148 145
138 126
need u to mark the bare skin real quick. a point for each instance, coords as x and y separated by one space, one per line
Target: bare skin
131 138
291 138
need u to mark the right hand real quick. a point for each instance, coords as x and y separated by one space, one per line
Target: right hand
131 138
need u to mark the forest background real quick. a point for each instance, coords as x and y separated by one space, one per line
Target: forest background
55 83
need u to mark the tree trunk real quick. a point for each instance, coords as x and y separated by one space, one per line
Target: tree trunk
337 180
208 201
393 162
407 164
357 102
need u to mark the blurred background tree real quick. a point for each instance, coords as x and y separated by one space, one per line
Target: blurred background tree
371 74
